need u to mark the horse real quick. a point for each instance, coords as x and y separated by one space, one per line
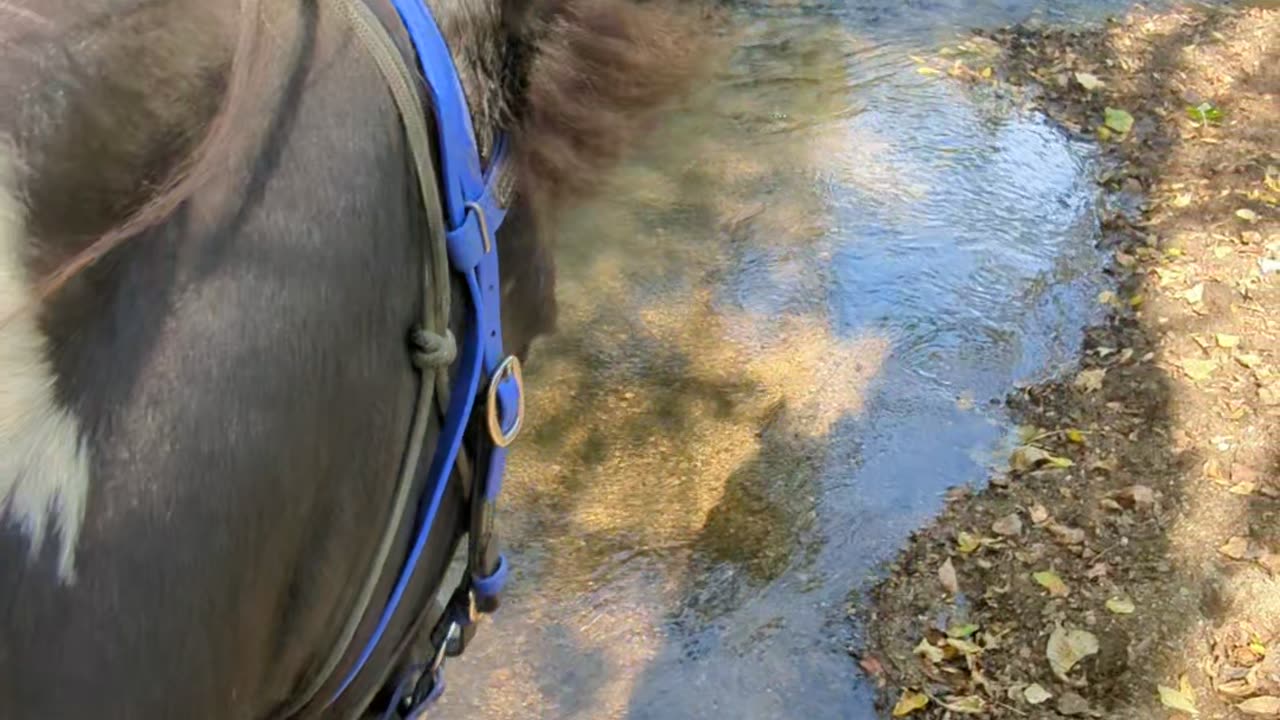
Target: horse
211 248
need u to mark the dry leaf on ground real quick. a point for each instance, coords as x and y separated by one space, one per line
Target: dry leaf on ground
1068 647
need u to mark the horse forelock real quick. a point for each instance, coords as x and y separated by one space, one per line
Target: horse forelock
44 465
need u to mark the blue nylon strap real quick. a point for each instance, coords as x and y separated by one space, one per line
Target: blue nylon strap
460 160
471 233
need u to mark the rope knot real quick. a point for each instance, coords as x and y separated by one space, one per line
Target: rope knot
432 350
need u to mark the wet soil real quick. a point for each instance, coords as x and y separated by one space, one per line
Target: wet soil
1127 563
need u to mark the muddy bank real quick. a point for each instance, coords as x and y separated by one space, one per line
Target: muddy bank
1126 564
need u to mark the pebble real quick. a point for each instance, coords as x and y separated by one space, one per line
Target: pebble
1072 704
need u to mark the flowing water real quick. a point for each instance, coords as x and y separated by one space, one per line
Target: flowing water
779 344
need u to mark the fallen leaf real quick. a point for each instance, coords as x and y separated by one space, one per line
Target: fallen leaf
1117 120
1060 462
1120 606
1195 295
909 703
964 646
947 576
928 71
1237 548
1066 648
964 704
1236 688
1213 470
1066 534
962 631
967 542
1227 341
1088 81
1264 706
1028 457
1176 700
929 651
871 666
1039 513
1242 488
1198 369
1008 526
1248 360
1090 380
1247 215
1035 694
1051 582
1204 113
1075 436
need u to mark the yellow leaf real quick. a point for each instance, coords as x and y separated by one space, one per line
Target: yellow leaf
964 704
1227 341
1198 369
986 72
1117 120
1244 487
964 646
1051 582
1195 295
1236 548
1175 700
1120 606
1075 436
1247 215
1248 360
928 71
967 542
1258 648
962 631
909 703
929 650
1136 301
1060 462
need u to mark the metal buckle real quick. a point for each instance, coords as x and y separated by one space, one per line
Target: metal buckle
509 368
484 226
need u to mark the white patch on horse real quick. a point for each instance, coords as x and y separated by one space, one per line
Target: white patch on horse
44 461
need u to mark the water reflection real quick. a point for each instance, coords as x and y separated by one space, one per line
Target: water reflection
777 348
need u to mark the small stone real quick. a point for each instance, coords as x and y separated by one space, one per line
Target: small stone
1072 704
1135 497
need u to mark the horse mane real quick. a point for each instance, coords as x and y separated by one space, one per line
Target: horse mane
598 74
601 73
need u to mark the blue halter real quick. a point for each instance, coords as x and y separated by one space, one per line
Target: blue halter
473 213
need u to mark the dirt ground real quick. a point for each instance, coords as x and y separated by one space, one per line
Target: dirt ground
1127 564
